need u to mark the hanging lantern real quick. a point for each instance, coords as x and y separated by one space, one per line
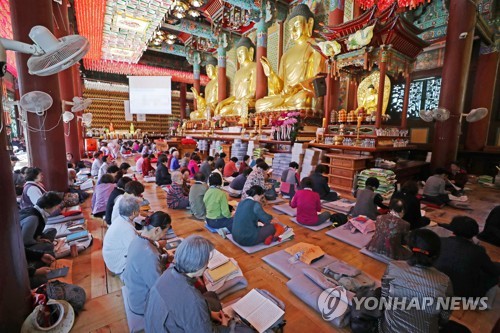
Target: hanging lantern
384 4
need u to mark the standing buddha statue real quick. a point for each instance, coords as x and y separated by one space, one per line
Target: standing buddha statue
292 88
244 84
211 93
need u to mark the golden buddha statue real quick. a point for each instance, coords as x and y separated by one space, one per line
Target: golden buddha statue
201 105
293 88
368 93
244 84
207 104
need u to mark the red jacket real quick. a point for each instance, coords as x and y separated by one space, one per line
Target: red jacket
308 205
230 168
146 167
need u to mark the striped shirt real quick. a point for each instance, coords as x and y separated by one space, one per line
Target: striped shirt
404 281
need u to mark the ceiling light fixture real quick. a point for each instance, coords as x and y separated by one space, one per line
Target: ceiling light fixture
196 3
194 13
179 9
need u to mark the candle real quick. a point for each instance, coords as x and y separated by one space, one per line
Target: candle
260 124
324 123
360 119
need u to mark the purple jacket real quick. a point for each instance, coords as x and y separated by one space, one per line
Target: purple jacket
101 196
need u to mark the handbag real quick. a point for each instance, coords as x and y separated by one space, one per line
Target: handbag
362 319
271 194
73 294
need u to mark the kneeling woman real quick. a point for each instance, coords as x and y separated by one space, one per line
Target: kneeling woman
145 262
308 205
245 231
174 304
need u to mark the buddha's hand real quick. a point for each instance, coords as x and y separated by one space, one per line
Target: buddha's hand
268 70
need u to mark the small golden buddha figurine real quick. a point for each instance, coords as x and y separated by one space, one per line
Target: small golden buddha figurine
368 93
211 93
293 88
201 105
244 83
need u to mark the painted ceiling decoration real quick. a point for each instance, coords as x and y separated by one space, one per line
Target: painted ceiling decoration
384 4
128 27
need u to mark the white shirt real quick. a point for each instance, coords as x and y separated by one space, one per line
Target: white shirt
96 165
138 165
102 170
116 211
116 243
34 193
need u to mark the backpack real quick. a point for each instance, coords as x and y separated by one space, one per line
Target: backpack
271 194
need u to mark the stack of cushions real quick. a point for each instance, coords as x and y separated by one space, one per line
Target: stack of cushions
485 179
387 179
239 149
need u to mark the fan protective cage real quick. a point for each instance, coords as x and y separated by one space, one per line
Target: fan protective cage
71 49
36 101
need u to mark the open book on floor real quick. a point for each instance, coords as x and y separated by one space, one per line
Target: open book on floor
258 311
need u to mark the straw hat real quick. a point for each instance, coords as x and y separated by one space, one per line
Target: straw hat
63 324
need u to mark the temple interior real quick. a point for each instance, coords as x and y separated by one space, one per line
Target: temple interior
250 165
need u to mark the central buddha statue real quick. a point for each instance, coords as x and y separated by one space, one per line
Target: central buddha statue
293 88
244 84
367 94
211 93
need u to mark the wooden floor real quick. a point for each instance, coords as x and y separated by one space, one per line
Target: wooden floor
104 310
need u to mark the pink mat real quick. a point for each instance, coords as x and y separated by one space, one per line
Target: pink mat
322 226
356 239
255 248
286 209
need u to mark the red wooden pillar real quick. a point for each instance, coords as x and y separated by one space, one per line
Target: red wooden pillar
182 98
15 303
221 73
78 91
335 17
46 148
457 56
406 101
196 82
261 78
61 28
483 96
381 83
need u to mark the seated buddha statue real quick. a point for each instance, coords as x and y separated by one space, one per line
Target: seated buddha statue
211 92
292 88
244 83
201 105
367 95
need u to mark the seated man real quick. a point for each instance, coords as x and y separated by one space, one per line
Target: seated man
469 267
434 189
120 235
320 184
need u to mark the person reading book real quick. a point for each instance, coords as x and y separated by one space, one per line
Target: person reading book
145 261
175 304
33 221
245 231
367 200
